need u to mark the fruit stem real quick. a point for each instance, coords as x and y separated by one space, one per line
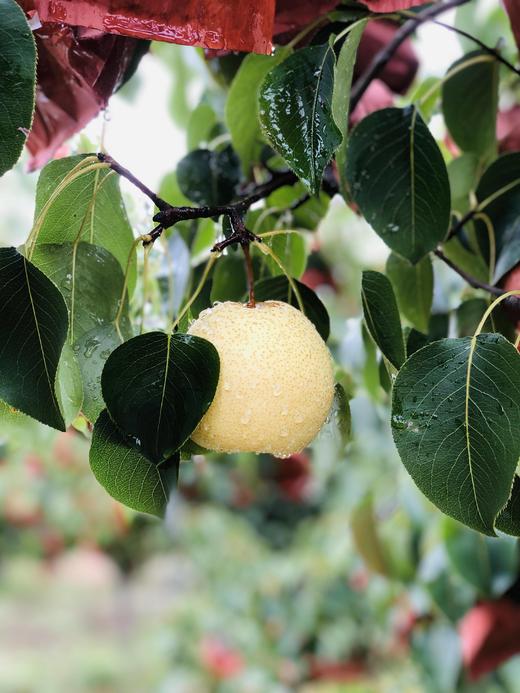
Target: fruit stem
250 276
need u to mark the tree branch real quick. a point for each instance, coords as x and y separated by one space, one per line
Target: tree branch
386 54
472 281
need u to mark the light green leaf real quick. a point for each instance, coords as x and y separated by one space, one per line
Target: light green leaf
242 111
128 476
90 209
17 80
413 285
343 74
455 421
69 388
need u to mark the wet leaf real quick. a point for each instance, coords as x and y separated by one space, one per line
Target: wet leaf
398 178
34 329
17 80
455 421
382 316
157 388
296 112
128 476
209 177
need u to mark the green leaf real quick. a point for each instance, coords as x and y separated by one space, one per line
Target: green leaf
382 316
69 388
509 519
455 421
91 282
89 278
291 250
242 110
413 286
469 315
92 350
341 97
202 121
296 112
157 388
128 476
90 209
34 329
366 537
307 215
209 177
17 80
398 178
498 194
470 102
279 289
229 279
481 561
463 175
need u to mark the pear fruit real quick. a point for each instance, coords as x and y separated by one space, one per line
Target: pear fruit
276 382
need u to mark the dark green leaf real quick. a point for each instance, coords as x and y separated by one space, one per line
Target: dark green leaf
34 329
128 476
341 97
413 286
509 519
90 209
398 178
415 341
279 289
209 177
469 315
498 194
455 420
157 388
470 101
17 79
296 112
382 316
242 115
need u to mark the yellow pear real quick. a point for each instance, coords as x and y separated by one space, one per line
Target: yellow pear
276 382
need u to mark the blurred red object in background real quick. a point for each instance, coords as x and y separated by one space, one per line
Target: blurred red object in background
490 634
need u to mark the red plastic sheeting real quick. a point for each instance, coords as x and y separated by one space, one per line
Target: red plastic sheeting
238 25
513 10
394 5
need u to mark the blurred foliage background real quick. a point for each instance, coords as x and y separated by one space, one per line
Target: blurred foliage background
328 572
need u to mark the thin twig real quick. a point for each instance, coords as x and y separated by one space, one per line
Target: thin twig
385 55
492 51
472 281
115 166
